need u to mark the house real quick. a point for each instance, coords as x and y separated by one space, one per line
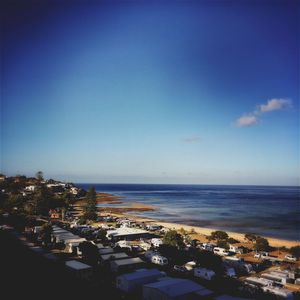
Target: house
79 269
133 281
126 264
126 233
171 288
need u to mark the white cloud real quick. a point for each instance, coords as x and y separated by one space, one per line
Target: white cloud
246 120
252 118
275 104
192 139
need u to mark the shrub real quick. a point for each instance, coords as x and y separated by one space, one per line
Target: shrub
250 237
173 238
218 235
261 244
295 251
223 244
232 241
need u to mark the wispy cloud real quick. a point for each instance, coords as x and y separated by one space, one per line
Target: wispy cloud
275 104
246 120
192 139
252 118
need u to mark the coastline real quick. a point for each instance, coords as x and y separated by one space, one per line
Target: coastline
201 233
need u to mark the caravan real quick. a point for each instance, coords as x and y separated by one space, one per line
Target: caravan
156 242
220 251
156 258
235 249
159 260
204 273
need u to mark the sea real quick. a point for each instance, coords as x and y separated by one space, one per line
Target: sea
272 211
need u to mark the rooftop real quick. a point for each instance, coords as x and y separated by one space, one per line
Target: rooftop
176 286
114 256
77 265
140 273
128 261
126 231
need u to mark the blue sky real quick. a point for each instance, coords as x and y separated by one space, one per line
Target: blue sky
152 92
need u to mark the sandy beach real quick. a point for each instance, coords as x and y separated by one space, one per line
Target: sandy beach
195 232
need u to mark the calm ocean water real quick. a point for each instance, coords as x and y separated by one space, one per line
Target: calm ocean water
265 210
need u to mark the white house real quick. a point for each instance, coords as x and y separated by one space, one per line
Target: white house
127 233
132 281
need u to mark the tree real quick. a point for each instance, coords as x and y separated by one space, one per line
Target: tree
250 237
89 252
261 244
15 200
223 244
218 235
207 259
90 212
295 251
174 255
39 176
101 235
232 241
173 238
46 233
42 200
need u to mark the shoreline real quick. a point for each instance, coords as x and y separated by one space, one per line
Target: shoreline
201 232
